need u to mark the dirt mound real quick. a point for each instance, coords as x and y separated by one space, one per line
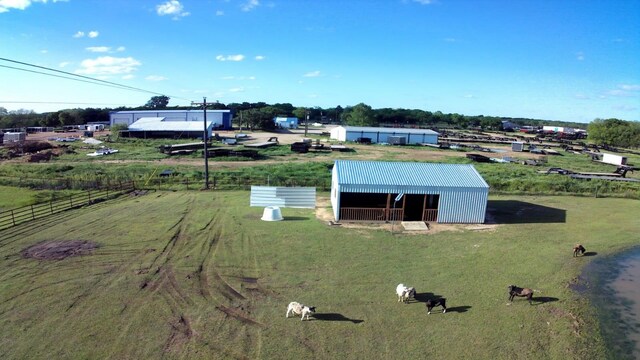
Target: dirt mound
58 250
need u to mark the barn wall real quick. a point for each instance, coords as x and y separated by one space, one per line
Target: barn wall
463 206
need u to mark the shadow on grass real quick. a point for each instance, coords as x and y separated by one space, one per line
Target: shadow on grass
590 253
459 309
520 212
335 317
538 300
295 218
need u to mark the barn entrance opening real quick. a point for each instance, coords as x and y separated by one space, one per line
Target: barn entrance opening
413 207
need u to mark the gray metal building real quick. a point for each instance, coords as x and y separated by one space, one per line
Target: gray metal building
408 191
221 119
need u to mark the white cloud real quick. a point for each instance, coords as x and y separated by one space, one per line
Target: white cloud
6 5
581 96
93 34
580 56
312 74
99 49
469 96
237 57
450 40
173 8
44 51
625 107
128 76
624 90
64 64
629 87
235 90
120 49
219 13
250 5
423 2
260 57
108 65
155 78
79 34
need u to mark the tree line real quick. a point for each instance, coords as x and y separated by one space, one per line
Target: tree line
259 115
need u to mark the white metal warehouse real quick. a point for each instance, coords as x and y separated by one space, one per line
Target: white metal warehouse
443 193
158 127
221 119
382 134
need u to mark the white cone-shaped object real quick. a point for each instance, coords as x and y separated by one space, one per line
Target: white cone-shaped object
272 213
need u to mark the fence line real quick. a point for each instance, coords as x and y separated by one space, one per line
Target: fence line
13 217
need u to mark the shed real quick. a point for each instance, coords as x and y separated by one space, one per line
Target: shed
443 193
286 122
159 127
382 134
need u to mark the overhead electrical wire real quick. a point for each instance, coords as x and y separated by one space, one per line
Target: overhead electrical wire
81 78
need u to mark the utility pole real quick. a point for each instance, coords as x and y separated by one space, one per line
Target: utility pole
204 138
306 122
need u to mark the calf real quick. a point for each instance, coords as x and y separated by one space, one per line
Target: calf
436 302
518 291
299 309
578 249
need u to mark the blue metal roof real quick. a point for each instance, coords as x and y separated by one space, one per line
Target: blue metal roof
409 177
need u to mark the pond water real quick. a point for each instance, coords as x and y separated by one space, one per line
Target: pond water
614 289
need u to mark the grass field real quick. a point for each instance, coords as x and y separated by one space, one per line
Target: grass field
197 275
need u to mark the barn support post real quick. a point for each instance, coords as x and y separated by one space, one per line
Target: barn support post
386 210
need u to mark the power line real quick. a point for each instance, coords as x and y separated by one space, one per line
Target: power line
95 81
60 76
59 102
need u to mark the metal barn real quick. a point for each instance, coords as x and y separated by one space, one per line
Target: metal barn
158 127
221 119
382 135
408 191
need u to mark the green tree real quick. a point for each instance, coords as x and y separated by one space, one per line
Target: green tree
360 115
157 102
615 132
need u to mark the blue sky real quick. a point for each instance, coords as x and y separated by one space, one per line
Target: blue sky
547 59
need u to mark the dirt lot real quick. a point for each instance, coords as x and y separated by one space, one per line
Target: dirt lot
362 152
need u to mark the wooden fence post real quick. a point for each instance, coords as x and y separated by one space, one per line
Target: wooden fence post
13 218
33 216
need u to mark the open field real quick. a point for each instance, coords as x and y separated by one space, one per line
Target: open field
197 275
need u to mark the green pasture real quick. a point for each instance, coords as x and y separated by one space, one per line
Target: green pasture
198 275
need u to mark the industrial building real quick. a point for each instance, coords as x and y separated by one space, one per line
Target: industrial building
286 122
384 135
408 191
158 127
220 119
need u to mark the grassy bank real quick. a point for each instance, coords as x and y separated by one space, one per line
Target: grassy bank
197 275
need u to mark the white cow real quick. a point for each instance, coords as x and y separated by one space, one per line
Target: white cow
299 309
